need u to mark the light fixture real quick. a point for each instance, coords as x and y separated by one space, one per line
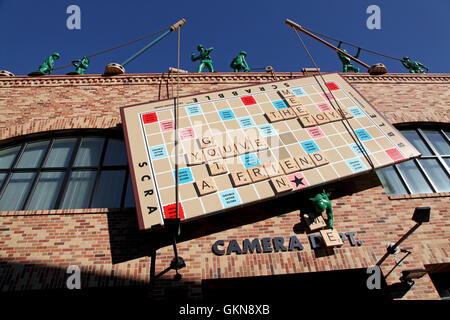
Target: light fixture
420 215
408 276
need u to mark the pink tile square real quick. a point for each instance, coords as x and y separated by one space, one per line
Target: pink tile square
315 132
298 181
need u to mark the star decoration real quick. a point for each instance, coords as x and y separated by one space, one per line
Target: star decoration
298 181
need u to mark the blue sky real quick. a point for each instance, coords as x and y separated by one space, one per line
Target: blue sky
31 30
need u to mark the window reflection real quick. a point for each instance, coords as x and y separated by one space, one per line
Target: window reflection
65 172
428 174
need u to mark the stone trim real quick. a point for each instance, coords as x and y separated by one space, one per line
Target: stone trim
419 196
59 124
217 77
411 117
63 212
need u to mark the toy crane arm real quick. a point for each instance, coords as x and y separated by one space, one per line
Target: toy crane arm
296 26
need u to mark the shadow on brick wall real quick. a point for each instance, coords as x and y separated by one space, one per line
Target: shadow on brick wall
41 283
128 243
276 207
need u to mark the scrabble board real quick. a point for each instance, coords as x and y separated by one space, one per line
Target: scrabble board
251 144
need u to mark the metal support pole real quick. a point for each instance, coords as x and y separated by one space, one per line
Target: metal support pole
398 262
174 27
296 26
391 250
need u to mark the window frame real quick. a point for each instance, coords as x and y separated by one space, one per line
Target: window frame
107 135
436 156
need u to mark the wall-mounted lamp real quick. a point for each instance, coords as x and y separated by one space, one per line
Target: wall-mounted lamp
408 276
420 215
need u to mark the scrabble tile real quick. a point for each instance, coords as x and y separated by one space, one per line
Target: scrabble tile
289 165
287 114
345 113
304 162
307 121
318 158
258 143
257 173
212 153
243 146
300 111
316 223
321 118
274 116
205 186
273 169
206 142
240 178
293 101
281 184
228 150
333 115
284 93
194 157
331 238
216 167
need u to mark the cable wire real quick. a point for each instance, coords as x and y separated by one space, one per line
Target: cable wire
358 142
352 45
117 47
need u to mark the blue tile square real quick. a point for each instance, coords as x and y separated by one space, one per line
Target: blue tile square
158 152
310 146
362 134
246 122
356 165
184 175
267 130
226 114
356 112
250 160
299 92
230 198
194 110
357 150
279 104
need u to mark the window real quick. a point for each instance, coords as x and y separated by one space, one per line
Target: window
67 172
427 174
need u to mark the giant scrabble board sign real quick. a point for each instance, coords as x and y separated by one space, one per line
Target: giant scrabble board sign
251 144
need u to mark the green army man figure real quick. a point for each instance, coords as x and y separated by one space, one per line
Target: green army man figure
239 63
47 66
80 65
413 66
322 203
205 59
346 61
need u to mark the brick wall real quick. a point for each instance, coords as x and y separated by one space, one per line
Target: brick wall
36 247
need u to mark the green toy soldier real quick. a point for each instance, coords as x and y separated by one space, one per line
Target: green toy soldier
239 63
47 66
205 59
346 61
80 65
322 203
413 66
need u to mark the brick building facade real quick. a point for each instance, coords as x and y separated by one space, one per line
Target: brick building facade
37 246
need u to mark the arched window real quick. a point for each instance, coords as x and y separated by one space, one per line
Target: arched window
65 172
428 174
